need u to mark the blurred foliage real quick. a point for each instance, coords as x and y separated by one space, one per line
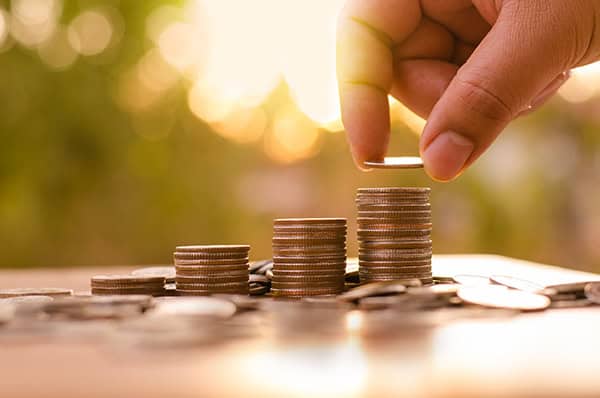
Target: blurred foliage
84 181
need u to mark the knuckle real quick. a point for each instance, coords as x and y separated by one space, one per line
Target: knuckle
483 102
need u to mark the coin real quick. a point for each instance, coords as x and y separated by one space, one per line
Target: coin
393 190
127 279
311 279
373 289
304 221
516 283
256 289
500 297
167 272
471 280
122 291
401 258
209 269
576 287
592 292
218 278
33 291
446 289
256 266
577 303
310 259
199 292
209 256
26 299
393 264
305 292
425 281
282 285
365 246
213 248
228 261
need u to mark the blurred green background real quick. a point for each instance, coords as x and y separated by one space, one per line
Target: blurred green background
130 127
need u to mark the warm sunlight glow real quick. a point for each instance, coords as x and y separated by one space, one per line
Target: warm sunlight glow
583 84
293 137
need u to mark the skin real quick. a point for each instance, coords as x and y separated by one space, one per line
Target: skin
467 66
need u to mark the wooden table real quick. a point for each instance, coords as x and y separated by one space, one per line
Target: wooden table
554 353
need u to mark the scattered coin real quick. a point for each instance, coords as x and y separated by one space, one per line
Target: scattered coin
99 307
26 299
577 303
471 280
378 289
516 283
501 297
592 292
33 291
574 288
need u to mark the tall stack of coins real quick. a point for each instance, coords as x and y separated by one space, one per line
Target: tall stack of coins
309 256
394 234
209 269
127 284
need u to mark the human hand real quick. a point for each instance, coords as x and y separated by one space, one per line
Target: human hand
468 66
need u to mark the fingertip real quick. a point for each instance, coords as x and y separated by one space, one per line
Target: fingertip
446 156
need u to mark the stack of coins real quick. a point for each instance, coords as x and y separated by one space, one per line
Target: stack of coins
309 256
394 234
127 284
211 269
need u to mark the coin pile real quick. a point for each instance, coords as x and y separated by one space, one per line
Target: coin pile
127 284
210 269
309 256
394 234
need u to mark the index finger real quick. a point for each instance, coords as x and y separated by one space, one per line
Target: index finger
367 32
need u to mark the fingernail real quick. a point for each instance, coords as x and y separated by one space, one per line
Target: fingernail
446 155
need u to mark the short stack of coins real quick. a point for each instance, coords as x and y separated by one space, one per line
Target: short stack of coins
211 269
309 256
394 234
127 284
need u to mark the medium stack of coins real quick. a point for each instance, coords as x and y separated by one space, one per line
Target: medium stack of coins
309 256
394 234
211 269
127 284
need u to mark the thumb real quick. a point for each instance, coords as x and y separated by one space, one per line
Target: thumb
511 66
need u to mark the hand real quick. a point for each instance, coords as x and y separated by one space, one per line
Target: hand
468 66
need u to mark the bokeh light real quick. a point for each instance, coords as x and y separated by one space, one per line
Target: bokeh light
90 32
133 126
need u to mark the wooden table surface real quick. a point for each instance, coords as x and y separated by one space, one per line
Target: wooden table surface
555 353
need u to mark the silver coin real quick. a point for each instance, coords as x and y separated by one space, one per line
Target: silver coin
43 291
472 280
374 289
592 292
398 162
577 303
166 271
516 283
500 297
